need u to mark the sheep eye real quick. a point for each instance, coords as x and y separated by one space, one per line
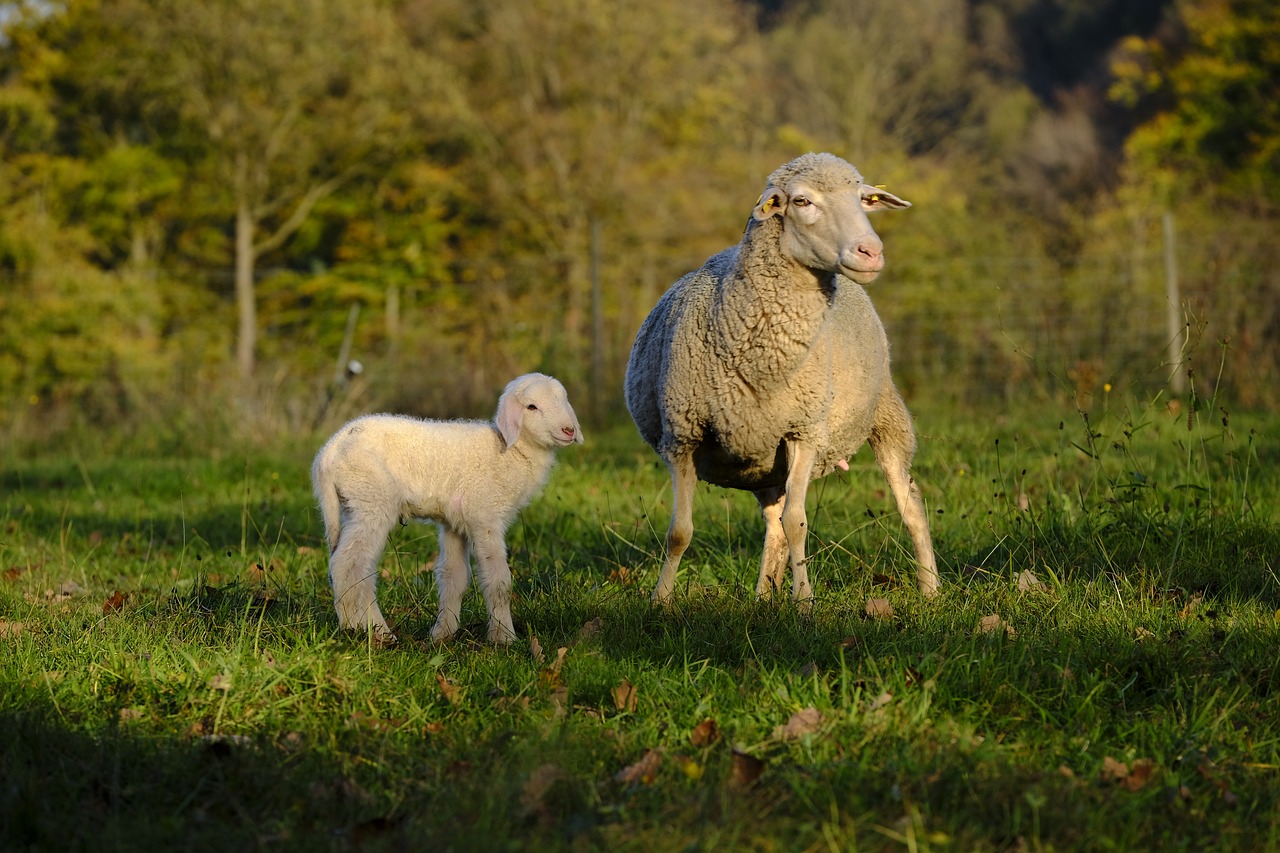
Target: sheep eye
531 407
801 201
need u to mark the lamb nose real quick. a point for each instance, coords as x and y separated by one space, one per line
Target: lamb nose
567 431
871 250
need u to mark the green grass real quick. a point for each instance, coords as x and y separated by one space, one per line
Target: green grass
173 676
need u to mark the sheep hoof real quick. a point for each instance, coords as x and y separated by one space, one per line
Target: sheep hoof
441 634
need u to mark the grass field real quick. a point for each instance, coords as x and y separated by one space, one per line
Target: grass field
1097 674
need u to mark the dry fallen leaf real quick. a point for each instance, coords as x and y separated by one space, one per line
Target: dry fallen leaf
535 650
1140 773
746 768
222 681
1190 607
879 702
705 733
1028 581
128 714
450 689
11 629
993 623
535 788
113 604
590 628
1142 634
625 696
879 608
1112 770
643 771
803 722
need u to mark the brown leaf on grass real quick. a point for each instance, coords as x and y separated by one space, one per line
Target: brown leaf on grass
534 791
12 573
622 576
879 608
590 628
550 676
95 538
535 650
705 733
1132 778
804 722
746 768
130 714
625 696
1140 773
221 681
1028 581
1191 606
878 579
994 624
879 702
450 689
643 771
114 603
850 642
1141 634
11 629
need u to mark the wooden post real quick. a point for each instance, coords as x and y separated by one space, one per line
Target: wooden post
1176 325
597 327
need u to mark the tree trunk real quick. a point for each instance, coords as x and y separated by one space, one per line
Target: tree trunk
246 306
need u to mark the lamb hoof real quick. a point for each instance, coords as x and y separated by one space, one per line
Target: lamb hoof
500 635
442 634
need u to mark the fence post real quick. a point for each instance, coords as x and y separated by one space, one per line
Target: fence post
1176 326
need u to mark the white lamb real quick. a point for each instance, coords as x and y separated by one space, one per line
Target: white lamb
470 477
768 368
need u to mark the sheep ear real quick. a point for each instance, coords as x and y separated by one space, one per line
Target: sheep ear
772 203
509 417
875 199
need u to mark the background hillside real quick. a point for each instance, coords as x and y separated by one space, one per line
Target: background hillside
208 209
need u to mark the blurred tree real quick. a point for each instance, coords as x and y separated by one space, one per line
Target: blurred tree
591 117
328 91
1215 95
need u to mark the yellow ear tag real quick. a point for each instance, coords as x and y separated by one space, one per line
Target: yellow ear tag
768 205
874 198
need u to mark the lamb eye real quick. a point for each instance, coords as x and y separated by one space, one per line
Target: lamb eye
801 201
531 407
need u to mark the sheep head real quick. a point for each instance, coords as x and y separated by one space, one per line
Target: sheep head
822 204
537 405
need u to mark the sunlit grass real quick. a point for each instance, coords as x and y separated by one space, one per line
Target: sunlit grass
173 674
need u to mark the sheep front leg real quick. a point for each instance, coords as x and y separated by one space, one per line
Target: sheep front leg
684 480
495 581
353 572
773 559
795 523
453 573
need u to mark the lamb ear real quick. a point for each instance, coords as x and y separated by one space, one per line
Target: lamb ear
509 417
772 203
875 199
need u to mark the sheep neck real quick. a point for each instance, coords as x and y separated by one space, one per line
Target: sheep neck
769 311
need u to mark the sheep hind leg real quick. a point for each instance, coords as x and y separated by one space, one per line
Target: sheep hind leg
453 573
684 480
773 560
494 575
894 444
795 522
353 571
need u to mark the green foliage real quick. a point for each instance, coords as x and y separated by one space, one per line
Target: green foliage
491 195
175 674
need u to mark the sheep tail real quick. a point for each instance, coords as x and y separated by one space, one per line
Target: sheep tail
330 506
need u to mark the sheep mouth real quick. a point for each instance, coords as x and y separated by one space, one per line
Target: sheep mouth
861 276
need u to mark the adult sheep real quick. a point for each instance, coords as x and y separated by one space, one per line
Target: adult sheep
470 477
768 367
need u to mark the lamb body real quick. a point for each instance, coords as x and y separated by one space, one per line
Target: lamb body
470 477
768 367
